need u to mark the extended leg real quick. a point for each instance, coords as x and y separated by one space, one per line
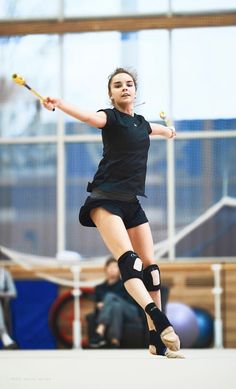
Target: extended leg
115 236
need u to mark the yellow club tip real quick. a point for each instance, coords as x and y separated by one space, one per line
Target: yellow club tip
18 79
162 115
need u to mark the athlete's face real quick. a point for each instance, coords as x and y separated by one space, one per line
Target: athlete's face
122 89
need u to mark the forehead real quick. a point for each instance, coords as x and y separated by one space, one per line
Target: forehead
112 264
121 77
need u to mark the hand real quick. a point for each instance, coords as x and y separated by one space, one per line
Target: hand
100 305
172 132
51 103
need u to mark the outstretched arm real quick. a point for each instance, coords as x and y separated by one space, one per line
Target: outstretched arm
95 119
159 129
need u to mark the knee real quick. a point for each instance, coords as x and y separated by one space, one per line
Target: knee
152 278
109 297
130 266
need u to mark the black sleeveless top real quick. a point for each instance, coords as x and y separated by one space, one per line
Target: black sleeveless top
125 150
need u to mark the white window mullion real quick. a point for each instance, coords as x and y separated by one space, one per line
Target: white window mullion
171 165
61 184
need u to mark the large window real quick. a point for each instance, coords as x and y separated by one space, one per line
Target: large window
114 7
202 5
203 68
205 196
24 9
36 59
28 197
86 76
88 63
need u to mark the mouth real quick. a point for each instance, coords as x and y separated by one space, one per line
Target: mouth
125 95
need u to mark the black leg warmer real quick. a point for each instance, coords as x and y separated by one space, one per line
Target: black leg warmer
159 319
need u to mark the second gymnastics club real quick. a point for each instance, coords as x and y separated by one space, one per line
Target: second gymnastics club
163 116
168 123
21 81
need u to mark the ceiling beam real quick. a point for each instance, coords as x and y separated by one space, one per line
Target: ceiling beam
124 23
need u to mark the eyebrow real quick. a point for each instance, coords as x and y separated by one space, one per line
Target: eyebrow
119 82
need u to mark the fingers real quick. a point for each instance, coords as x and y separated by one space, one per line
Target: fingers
172 132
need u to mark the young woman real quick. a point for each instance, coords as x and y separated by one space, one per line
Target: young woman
113 206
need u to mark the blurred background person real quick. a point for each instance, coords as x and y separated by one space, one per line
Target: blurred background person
114 307
7 292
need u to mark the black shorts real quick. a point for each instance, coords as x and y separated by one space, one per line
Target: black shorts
130 212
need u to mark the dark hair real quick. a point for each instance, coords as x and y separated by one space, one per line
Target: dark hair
119 71
109 261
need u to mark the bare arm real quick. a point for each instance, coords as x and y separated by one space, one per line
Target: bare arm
159 129
95 119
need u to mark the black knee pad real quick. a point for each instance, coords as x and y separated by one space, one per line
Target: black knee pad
130 266
152 278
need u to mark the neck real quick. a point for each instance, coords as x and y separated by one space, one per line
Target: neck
112 281
129 109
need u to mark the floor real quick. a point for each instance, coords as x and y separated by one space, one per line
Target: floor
113 369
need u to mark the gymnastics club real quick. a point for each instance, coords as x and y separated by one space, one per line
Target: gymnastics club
168 123
163 116
21 81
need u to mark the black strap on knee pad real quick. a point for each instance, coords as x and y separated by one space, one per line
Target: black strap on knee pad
152 279
130 266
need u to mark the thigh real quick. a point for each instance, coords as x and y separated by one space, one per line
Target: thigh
112 230
134 215
142 242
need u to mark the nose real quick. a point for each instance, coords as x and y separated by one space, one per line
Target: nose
125 87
